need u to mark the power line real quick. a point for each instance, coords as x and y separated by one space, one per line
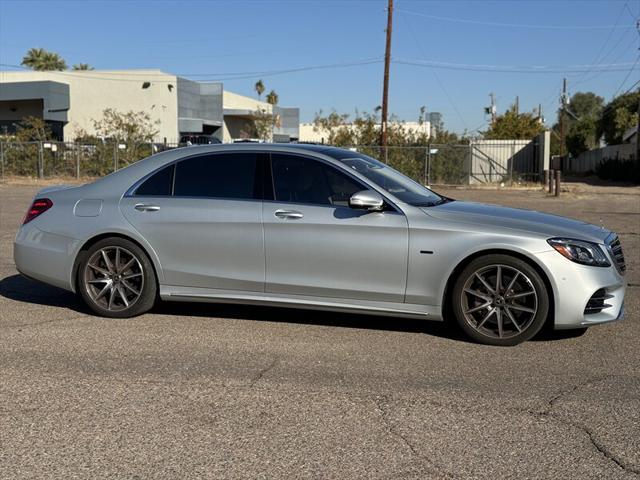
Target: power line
215 77
436 76
511 25
597 58
626 78
536 69
597 73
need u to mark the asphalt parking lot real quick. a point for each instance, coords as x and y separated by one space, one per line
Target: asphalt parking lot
207 391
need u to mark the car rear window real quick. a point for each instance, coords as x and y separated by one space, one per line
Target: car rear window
229 175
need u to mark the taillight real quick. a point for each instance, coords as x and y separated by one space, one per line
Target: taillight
38 207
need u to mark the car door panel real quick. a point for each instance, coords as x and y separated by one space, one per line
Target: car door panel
210 243
336 252
200 239
316 245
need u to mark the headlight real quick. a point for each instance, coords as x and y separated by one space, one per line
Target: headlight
579 251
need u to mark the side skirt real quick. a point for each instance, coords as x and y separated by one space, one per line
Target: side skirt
197 294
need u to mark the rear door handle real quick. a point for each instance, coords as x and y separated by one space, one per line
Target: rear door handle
142 207
288 214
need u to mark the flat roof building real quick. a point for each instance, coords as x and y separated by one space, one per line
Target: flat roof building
70 102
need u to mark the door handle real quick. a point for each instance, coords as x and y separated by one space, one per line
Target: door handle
288 214
142 207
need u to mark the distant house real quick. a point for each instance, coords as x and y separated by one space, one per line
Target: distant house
631 135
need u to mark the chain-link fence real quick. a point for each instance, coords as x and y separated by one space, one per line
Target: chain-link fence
429 165
503 161
437 164
59 159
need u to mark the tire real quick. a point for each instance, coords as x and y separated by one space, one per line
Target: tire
123 292
513 314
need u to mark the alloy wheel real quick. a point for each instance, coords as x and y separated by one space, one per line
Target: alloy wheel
499 301
114 278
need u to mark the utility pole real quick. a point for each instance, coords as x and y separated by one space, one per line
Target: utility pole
385 87
563 107
540 119
638 131
492 109
517 105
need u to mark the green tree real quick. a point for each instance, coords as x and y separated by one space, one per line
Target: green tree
581 137
618 116
125 127
43 60
82 66
586 104
272 97
514 126
261 127
582 133
33 129
259 88
134 130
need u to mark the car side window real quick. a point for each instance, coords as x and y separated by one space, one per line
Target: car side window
159 184
304 180
227 175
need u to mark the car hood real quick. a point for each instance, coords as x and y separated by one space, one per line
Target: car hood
541 224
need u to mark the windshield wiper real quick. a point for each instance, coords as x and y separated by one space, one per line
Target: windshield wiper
443 200
440 201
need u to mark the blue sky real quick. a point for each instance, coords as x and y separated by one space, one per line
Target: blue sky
223 39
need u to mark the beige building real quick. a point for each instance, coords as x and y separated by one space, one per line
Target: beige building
309 132
70 101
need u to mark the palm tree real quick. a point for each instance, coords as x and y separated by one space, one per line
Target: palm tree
272 97
259 88
82 66
41 59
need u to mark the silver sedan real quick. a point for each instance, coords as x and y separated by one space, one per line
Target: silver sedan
322 228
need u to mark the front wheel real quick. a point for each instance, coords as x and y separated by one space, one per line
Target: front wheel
116 279
500 300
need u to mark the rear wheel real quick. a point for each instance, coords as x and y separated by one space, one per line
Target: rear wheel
500 300
116 279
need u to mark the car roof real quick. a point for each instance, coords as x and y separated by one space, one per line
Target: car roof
310 147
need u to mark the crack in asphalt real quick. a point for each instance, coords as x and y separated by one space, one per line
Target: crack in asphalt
438 469
547 412
378 401
263 372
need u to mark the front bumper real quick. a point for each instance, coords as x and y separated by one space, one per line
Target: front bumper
44 256
573 285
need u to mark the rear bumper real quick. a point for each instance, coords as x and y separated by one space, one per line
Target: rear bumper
44 256
574 284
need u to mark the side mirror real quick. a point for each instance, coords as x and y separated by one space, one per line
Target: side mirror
367 200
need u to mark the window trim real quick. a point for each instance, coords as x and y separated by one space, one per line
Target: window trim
267 174
258 177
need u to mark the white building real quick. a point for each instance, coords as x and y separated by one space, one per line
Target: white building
71 100
310 133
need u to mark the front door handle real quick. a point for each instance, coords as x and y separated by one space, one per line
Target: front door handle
142 207
288 214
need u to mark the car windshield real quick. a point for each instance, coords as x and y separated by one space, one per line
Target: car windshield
392 181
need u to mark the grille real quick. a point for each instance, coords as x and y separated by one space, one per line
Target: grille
616 252
596 302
